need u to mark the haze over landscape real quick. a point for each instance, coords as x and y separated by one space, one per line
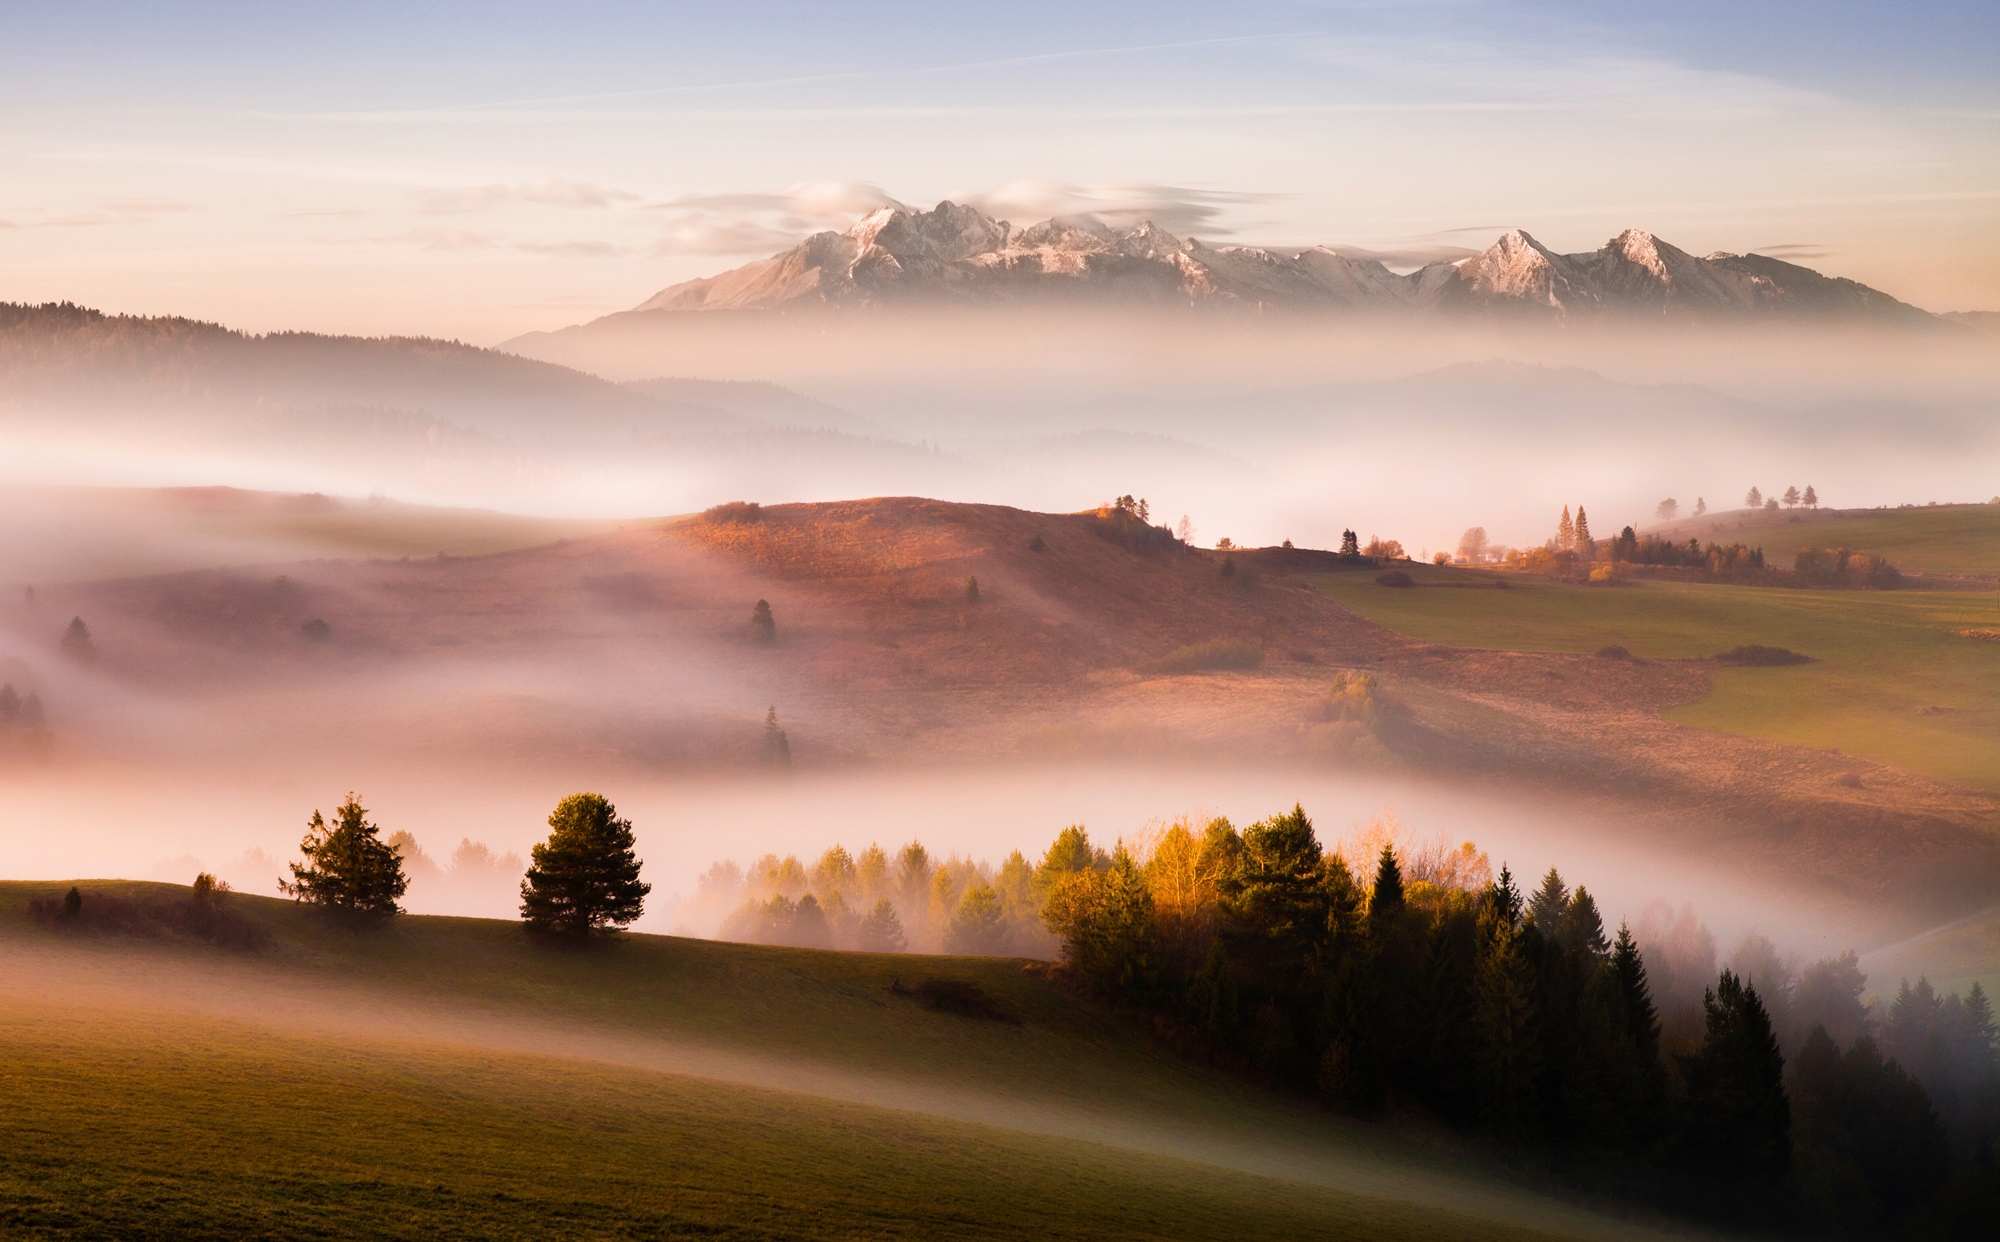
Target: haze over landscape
1350 620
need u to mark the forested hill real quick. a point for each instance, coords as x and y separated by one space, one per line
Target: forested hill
58 356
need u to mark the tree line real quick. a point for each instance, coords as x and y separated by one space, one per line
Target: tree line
1519 1016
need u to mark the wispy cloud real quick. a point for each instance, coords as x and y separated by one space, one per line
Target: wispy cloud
762 223
459 240
122 212
540 192
1176 209
1794 250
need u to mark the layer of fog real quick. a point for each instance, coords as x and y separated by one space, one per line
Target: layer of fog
1257 1134
167 825
1257 429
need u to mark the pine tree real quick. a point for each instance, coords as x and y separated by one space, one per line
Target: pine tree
976 927
1350 543
1546 907
1584 545
1976 1022
1791 497
1565 532
585 877
347 865
1739 1120
880 931
777 748
76 641
1583 929
1508 1055
1385 902
1700 506
972 590
1755 500
1811 498
1642 1021
763 626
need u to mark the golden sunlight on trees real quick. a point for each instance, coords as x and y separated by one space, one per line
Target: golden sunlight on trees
347 866
585 878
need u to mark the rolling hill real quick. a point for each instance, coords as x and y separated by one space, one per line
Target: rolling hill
631 651
484 1084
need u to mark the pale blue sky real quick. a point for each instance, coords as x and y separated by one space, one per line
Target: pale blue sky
478 170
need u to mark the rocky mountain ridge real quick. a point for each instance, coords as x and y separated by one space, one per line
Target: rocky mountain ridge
955 253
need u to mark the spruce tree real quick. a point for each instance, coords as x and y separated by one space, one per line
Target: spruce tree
1583 929
1565 532
763 626
1642 1020
1546 907
347 865
880 931
1584 545
1739 1120
585 877
1385 902
1350 544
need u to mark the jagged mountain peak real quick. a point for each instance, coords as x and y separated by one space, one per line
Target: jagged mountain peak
956 253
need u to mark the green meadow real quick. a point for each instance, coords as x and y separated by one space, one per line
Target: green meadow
1945 539
1893 680
450 1078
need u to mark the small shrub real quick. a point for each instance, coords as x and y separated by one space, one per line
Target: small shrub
1441 558
1395 578
1755 655
194 915
1851 780
1038 544
736 512
316 631
959 996
1216 653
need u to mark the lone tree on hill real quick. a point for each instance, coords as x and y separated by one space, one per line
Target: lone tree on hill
1791 497
763 626
1667 508
347 867
1350 544
777 747
1811 498
76 642
1700 506
584 878
1755 500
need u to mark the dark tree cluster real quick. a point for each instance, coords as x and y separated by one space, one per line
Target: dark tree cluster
1127 522
1516 1016
1838 567
1718 560
25 713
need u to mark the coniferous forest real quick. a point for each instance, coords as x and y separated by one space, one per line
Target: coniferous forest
1419 984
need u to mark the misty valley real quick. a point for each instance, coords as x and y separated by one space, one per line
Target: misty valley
778 622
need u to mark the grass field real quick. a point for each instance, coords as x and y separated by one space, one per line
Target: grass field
449 1078
1893 680
1946 539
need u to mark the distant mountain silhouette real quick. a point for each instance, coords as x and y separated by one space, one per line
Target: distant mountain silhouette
957 254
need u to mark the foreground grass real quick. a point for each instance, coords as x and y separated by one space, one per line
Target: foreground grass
451 1078
129 1126
1894 680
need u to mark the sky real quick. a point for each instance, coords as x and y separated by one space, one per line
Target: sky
475 171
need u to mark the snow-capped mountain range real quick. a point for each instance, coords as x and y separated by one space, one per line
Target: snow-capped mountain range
956 253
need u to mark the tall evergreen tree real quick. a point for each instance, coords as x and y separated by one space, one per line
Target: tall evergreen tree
1642 1020
347 865
1583 929
1738 1120
1508 1059
1584 545
585 877
1350 543
1385 901
1546 907
1565 532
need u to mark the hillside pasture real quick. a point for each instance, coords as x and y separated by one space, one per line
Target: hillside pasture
1922 539
1892 679
450 1078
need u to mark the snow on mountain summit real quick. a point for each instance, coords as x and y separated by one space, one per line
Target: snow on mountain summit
956 254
